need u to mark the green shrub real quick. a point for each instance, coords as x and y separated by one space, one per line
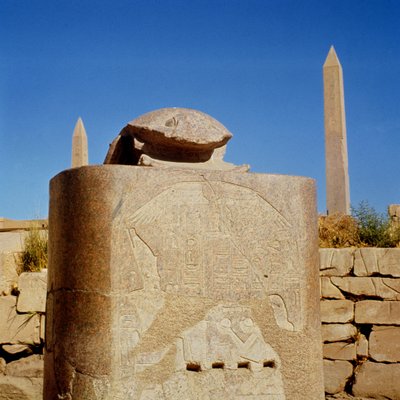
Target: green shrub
375 229
34 254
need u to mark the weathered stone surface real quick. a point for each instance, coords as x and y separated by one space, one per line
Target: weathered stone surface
329 290
386 288
345 396
336 262
336 374
17 328
337 170
42 327
369 261
17 226
337 311
2 366
378 381
32 291
384 343
16 348
11 242
362 346
340 351
29 367
377 312
8 272
18 388
180 127
173 138
174 281
338 332
394 214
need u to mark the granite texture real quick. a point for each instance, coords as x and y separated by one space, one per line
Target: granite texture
181 284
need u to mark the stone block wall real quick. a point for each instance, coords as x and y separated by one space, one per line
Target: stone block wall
360 313
22 307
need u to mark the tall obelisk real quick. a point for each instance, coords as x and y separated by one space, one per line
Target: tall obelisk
79 145
337 171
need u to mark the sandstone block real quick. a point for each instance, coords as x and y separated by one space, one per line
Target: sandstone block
11 242
31 367
384 343
336 374
8 272
386 288
18 388
337 311
377 312
42 327
16 348
338 332
378 381
362 346
32 287
336 262
329 290
17 328
371 260
2 366
340 351
345 396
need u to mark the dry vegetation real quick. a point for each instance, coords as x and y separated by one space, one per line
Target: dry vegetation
34 254
365 228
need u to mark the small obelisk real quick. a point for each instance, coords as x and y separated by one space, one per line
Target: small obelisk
337 171
79 145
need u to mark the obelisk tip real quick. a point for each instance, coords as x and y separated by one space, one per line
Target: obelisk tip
79 128
332 58
79 145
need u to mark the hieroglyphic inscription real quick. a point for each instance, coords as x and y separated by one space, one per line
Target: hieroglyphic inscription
221 241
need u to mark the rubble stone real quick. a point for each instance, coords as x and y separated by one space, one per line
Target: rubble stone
17 388
336 262
340 351
384 343
2 366
8 272
386 288
32 287
11 242
336 374
362 346
16 348
371 261
17 328
338 332
378 381
31 367
328 290
377 312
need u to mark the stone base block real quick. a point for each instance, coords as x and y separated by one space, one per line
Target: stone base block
336 374
378 381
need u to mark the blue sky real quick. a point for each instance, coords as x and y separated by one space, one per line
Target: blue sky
254 65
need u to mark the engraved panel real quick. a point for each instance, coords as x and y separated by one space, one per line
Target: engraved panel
221 241
223 356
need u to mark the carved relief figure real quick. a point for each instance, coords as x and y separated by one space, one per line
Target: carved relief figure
203 247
